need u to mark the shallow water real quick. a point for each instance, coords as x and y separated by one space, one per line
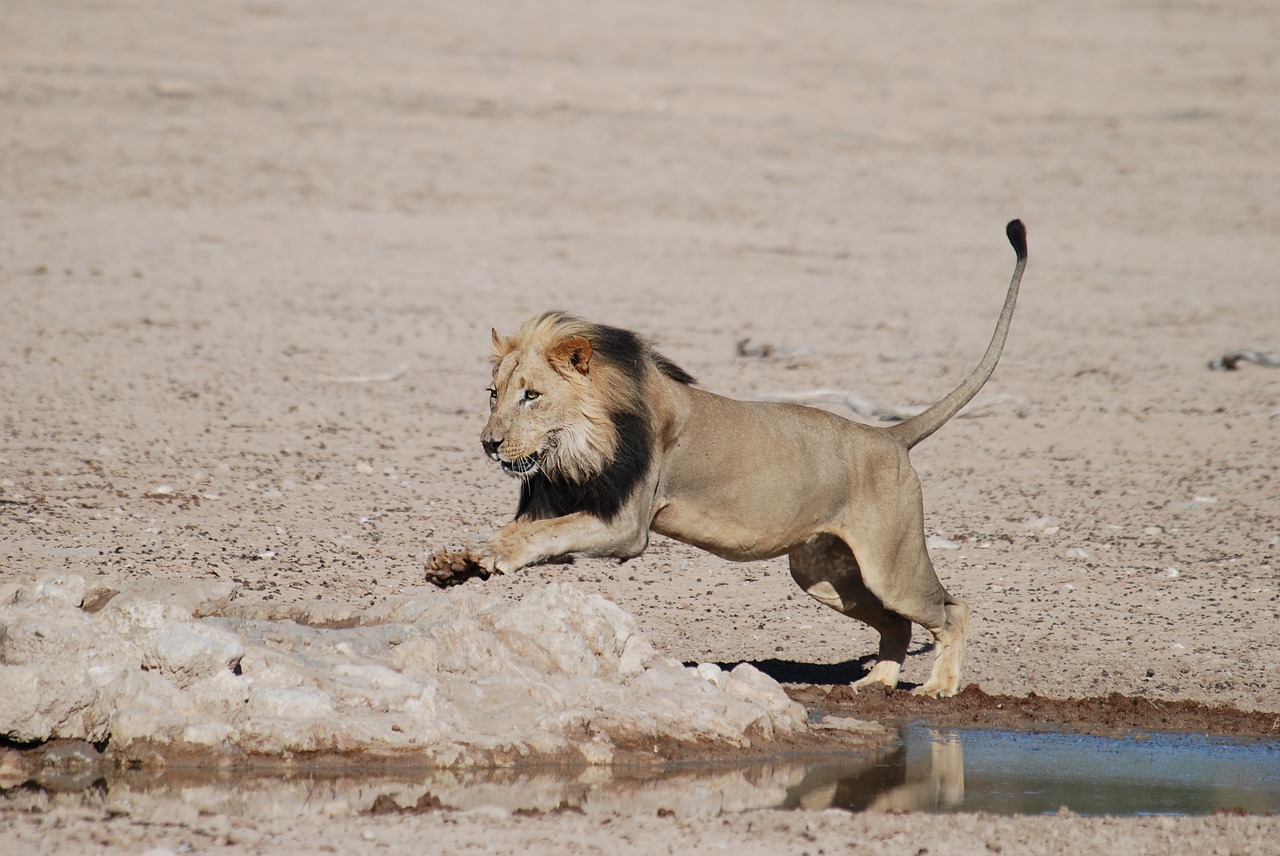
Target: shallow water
1013 772
934 770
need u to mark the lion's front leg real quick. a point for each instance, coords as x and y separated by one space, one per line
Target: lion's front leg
447 568
530 542
525 542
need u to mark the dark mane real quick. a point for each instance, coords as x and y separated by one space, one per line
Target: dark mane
672 370
543 496
629 351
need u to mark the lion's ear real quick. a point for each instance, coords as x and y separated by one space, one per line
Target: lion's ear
501 345
573 353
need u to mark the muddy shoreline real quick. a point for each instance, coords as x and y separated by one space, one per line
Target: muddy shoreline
1109 716
63 765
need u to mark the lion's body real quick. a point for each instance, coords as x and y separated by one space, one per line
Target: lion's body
611 440
721 468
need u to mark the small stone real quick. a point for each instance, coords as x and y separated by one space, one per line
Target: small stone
937 542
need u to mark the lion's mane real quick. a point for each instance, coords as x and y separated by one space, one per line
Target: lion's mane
606 452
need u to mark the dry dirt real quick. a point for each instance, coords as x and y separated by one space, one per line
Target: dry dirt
252 252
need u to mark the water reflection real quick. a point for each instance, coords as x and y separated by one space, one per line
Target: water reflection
1012 772
925 774
931 770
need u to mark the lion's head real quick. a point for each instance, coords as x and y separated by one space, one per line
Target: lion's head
545 412
564 395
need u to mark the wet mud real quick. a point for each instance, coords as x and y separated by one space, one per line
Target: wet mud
1109 715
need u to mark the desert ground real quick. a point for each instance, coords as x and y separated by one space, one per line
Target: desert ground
251 253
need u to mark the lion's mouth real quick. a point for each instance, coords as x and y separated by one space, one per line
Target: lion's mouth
521 467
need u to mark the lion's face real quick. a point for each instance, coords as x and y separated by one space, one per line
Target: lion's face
542 411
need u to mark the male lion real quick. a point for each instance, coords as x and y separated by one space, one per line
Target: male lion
610 440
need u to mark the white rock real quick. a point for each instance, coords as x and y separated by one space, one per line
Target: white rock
43 704
292 702
637 653
66 589
748 683
210 733
138 618
710 672
189 651
454 678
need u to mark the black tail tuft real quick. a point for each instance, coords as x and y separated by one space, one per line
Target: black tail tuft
1018 237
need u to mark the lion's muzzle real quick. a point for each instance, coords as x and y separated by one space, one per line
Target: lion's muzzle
520 468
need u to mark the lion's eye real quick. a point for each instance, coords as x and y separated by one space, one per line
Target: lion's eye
493 393
530 395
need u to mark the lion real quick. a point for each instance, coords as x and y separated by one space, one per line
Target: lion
611 440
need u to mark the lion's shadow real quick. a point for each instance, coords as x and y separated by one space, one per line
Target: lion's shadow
820 674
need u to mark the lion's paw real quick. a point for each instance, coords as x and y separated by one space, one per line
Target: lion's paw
447 568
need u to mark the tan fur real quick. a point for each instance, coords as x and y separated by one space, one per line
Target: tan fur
743 480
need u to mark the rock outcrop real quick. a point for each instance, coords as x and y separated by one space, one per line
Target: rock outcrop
447 678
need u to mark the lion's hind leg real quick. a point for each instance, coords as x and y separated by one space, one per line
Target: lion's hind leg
945 680
827 570
905 581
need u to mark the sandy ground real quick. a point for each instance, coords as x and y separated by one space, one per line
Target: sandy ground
252 252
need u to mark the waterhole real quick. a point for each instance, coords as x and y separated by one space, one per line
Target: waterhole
1019 772
932 770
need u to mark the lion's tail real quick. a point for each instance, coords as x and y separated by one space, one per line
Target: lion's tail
922 425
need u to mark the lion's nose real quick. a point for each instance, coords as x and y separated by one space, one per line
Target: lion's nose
491 447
